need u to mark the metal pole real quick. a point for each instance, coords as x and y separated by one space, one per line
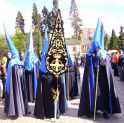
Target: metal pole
56 102
68 80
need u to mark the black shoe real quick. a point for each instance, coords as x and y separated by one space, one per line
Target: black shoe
106 115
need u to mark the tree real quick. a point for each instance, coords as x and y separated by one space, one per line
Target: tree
37 41
113 41
76 24
121 39
19 23
107 41
35 16
45 20
3 44
36 21
19 40
76 21
55 4
49 18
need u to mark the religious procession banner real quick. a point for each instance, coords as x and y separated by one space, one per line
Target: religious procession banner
56 60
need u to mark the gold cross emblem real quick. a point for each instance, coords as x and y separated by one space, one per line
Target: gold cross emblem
56 64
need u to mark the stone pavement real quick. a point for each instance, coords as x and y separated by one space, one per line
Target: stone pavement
71 115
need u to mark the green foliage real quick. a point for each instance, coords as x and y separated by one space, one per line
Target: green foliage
106 43
19 23
37 41
19 40
113 41
35 16
121 39
36 20
3 44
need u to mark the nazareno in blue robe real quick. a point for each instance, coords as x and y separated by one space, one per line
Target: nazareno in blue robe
107 100
15 95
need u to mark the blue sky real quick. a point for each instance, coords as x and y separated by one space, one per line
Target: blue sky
110 11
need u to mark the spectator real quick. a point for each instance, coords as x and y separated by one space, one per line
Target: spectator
115 61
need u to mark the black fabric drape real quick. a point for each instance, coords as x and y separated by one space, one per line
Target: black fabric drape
29 76
44 104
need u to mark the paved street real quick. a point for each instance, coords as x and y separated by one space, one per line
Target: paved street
71 115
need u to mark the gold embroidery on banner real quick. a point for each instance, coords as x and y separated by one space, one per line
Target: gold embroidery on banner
56 60
55 94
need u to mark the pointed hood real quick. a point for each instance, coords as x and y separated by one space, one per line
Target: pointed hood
102 37
30 57
11 46
44 52
70 63
14 60
98 40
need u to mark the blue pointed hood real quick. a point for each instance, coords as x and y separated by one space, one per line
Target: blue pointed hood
11 46
102 37
44 53
98 39
70 63
14 60
30 56
30 60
